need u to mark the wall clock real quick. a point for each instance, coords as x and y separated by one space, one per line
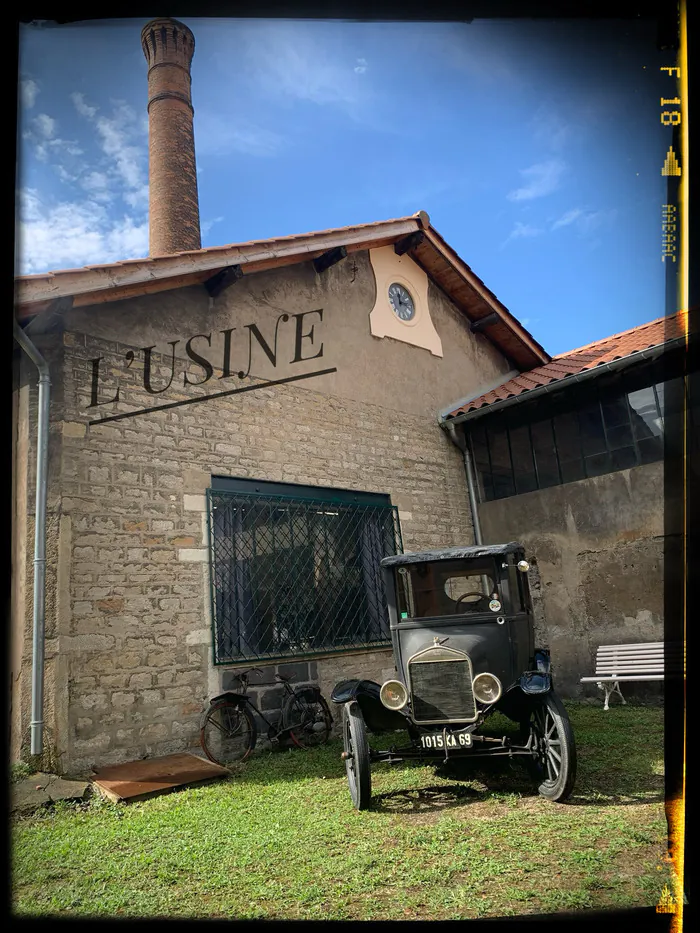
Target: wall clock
401 302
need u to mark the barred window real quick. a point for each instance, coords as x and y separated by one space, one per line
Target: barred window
295 569
581 433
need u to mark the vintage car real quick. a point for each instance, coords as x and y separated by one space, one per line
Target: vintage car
462 631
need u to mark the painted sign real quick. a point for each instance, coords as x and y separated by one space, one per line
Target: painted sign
305 342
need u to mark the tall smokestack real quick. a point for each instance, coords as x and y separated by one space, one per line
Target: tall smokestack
174 205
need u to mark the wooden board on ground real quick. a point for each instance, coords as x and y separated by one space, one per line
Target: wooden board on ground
139 780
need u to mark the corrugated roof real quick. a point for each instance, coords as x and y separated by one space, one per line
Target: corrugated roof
617 347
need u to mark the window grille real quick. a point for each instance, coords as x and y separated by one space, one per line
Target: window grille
298 574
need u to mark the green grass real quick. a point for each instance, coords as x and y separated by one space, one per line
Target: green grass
280 840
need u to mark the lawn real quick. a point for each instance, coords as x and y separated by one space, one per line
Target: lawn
280 840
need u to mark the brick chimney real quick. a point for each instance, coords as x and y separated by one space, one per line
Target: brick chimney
174 205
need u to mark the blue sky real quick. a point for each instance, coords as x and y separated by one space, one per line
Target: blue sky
534 147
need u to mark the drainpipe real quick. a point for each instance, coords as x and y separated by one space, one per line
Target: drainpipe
42 452
459 440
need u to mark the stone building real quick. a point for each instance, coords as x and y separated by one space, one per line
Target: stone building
238 434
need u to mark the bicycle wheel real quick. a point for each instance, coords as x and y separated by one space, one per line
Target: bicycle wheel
308 718
227 732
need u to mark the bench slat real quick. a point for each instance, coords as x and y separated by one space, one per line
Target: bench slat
638 644
601 666
606 678
633 654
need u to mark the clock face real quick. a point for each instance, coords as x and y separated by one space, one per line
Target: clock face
401 302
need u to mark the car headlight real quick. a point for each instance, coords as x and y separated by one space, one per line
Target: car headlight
487 688
393 694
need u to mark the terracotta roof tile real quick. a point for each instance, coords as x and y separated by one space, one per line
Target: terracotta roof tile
584 358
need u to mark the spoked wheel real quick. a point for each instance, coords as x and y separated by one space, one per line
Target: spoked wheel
552 738
227 733
308 719
356 754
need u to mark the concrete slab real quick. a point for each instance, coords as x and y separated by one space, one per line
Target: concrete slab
41 789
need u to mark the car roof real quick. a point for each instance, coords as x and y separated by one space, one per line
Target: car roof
452 553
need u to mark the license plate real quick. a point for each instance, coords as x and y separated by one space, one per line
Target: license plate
439 740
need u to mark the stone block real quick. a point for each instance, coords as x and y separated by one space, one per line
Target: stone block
123 699
144 679
151 697
297 671
272 699
198 555
200 636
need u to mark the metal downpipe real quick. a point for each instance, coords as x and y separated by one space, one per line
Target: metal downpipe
471 479
42 457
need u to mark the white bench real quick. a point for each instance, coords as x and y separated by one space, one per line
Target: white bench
615 663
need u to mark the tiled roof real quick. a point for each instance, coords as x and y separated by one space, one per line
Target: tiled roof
577 361
109 282
212 250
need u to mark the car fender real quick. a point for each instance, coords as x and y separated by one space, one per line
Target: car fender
366 693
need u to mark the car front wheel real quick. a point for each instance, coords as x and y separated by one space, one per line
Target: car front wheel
551 739
356 754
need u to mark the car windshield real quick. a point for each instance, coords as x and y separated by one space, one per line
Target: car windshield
444 588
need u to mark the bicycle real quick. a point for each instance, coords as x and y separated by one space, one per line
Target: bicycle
228 730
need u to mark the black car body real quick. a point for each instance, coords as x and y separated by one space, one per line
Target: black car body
462 632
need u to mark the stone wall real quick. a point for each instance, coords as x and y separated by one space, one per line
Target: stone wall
138 639
597 546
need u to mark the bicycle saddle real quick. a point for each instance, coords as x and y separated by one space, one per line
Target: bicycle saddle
282 677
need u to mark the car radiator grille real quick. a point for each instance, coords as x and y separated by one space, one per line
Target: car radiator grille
441 691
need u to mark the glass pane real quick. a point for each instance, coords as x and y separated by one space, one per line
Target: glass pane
645 416
591 427
525 482
500 455
500 464
620 437
479 448
448 588
624 458
615 411
521 452
567 436
598 464
651 449
503 486
545 453
487 486
572 470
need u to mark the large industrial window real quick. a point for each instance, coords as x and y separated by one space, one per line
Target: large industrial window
597 430
295 569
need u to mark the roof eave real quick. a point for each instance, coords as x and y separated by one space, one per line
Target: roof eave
564 383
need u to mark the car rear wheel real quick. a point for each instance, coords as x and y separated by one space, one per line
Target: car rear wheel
356 754
552 739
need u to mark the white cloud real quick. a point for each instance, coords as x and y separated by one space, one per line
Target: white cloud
65 235
208 224
361 66
122 141
541 179
29 88
585 221
218 135
82 229
569 217
303 61
44 125
550 129
83 109
521 230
